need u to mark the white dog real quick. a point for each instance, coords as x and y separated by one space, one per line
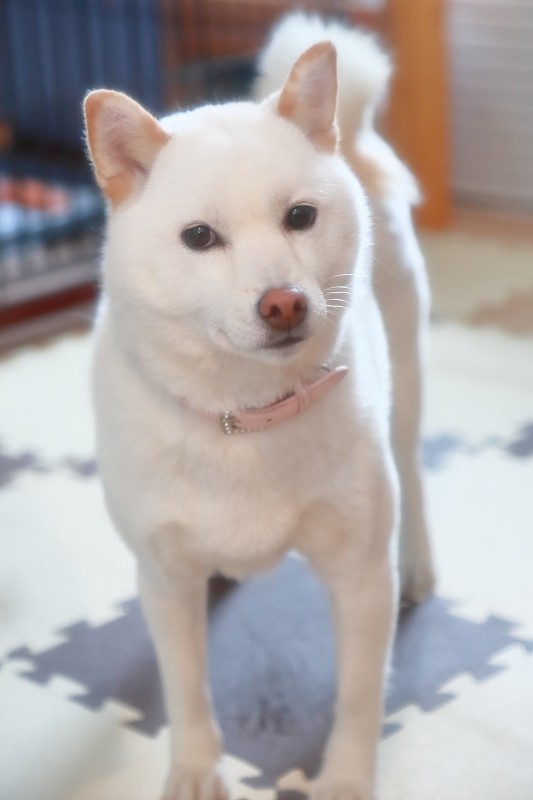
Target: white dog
238 299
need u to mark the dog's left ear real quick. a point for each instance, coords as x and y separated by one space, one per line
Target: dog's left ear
309 96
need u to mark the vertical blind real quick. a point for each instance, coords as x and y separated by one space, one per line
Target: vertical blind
491 59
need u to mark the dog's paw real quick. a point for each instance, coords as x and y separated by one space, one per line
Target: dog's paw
331 789
195 785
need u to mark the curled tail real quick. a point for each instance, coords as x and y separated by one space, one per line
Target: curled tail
363 68
363 72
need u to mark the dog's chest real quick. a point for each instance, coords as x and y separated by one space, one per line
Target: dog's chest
236 502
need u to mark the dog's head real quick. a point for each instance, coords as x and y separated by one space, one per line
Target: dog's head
233 229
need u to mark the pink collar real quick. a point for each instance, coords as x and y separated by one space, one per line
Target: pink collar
252 420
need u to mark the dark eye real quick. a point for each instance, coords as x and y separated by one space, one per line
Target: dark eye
301 217
199 237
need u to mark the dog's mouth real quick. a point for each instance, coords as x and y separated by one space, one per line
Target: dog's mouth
288 342
274 346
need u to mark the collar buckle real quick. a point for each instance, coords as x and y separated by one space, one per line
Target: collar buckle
227 420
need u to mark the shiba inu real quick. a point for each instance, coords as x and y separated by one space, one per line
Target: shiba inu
260 279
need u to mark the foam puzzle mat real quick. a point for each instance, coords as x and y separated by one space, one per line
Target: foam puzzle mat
81 714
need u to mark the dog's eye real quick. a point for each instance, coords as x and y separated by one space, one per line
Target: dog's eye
301 217
199 237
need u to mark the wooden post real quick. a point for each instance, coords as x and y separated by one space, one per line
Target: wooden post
417 121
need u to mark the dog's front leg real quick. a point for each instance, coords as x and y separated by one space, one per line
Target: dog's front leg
363 600
175 611
363 622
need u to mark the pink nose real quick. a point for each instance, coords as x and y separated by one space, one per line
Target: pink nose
283 308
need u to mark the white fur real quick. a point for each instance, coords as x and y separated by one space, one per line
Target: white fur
180 324
360 60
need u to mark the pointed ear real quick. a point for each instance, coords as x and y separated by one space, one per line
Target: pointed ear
123 141
309 96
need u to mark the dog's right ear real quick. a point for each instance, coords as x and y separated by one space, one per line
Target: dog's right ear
123 141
